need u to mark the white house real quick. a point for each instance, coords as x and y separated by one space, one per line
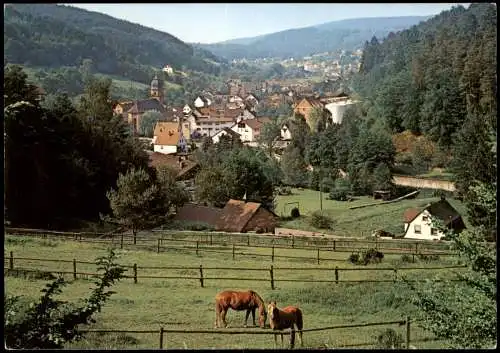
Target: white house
166 137
286 135
225 131
418 223
168 69
245 115
250 129
202 101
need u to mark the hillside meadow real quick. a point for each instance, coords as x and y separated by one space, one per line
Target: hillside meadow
360 222
182 303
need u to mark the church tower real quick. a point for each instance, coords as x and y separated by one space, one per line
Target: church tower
156 90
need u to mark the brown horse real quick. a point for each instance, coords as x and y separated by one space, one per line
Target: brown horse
238 301
287 317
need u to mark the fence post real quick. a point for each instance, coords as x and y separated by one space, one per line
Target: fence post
272 277
211 243
121 242
336 275
407 332
272 254
158 246
233 251
293 241
197 245
334 248
135 273
292 338
248 240
318 256
11 261
135 238
201 276
161 337
74 268
395 274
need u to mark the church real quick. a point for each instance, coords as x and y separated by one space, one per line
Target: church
132 111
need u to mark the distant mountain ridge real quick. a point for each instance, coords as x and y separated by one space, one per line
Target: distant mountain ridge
347 34
49 35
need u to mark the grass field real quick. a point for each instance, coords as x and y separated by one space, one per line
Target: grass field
176 303
352 223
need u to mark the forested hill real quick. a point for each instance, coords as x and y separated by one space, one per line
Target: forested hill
346 34
439 79
48 35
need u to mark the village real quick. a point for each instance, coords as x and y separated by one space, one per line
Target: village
182 129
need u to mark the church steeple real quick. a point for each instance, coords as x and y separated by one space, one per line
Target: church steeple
156 91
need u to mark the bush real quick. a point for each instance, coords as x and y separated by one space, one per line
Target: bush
428 258
371 256
320 220
390 339
259 230
295 213
284 190
406 258
340 191
354 258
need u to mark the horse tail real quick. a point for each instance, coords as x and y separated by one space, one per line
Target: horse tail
300 322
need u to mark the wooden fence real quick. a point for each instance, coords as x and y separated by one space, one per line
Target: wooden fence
244 240
202 278
163 333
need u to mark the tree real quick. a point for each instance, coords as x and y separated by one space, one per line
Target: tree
148 123
137 202
269 135
49 323
465 312
293 167
172 194
382 177
16 87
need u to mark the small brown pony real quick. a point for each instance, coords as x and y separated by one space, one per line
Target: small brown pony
287 317
238 301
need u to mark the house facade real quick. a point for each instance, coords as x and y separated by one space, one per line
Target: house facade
166 137
249 130
223 132
306 106
418 223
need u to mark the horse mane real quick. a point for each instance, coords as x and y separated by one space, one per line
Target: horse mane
258 300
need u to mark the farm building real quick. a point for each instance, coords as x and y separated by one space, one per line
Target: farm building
186 168
236 216
418 223
197 213
240 216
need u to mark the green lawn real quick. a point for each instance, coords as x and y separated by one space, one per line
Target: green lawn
183 304
352 223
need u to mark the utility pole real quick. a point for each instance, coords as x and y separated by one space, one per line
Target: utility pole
320 190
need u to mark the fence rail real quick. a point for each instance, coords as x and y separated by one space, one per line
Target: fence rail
202 278
162 332
209 238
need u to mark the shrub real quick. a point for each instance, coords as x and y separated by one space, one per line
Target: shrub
295 213
354 258
390 339
371 256
428 258
406 258
284 190
340 191
321 220
259 230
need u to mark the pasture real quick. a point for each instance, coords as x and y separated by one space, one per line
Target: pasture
352 223
183 304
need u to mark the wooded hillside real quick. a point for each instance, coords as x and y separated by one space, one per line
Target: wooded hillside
48 35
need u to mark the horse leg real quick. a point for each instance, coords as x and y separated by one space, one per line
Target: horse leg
275 340
253 317
223 314
217 314
246 317
300 334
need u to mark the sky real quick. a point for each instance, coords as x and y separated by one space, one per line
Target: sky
216 22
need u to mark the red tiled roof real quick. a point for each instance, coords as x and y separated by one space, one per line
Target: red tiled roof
197 213
167 133
236 215
410 214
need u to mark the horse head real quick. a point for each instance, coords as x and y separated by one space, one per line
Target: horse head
272 311
262 309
